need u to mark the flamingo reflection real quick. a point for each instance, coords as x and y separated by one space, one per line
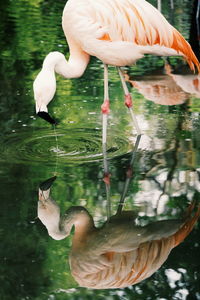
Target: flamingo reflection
161 89
118 254
189 83
169 88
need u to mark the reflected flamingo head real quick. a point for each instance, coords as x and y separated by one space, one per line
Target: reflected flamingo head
120 253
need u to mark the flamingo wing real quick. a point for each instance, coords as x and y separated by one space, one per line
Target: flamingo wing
122 269
125 29
114 269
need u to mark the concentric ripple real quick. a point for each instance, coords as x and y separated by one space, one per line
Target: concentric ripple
75 145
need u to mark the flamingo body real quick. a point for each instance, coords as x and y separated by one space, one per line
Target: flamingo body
119 32
119 253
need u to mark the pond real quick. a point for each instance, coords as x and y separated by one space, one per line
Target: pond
156 176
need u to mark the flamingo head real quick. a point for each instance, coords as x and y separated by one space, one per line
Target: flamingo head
44 86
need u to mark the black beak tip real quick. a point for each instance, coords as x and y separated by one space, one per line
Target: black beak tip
45 116
45 185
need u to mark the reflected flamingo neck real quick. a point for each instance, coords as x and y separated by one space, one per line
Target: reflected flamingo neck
83 222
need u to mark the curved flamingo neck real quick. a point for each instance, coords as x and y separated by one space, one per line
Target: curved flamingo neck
83 223
57 234
74 67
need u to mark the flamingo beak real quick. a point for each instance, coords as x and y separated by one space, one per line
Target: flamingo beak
44 115
45 185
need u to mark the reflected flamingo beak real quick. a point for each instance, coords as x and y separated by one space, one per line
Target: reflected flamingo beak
45 185
44 115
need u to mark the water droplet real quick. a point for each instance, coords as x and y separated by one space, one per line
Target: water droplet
92 113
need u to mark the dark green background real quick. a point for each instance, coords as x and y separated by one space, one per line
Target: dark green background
33 266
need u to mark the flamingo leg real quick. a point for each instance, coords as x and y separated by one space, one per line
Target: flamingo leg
105 111
105 106
159 5
129 175
106 180
128 101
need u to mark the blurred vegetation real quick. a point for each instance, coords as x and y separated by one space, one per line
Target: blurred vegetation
33 266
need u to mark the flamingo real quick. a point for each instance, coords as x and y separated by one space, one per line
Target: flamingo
118 254
161 89
117 32
168 89
188 83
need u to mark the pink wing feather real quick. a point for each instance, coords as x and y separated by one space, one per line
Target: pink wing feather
138 24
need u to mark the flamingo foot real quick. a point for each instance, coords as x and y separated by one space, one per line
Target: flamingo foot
105 107
129 172
106 178
128 100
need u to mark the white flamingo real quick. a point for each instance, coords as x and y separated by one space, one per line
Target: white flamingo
118 32
119 253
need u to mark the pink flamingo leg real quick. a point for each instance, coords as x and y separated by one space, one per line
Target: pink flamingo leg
128 101
106 180
105 108
129 175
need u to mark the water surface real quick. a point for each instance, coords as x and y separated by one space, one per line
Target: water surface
165 172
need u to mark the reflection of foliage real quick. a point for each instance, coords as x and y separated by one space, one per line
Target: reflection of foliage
21 258
34 266
158 286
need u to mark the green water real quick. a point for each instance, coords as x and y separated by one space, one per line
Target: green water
165 171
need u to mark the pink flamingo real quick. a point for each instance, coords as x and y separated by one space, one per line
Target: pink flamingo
118 32
118 254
